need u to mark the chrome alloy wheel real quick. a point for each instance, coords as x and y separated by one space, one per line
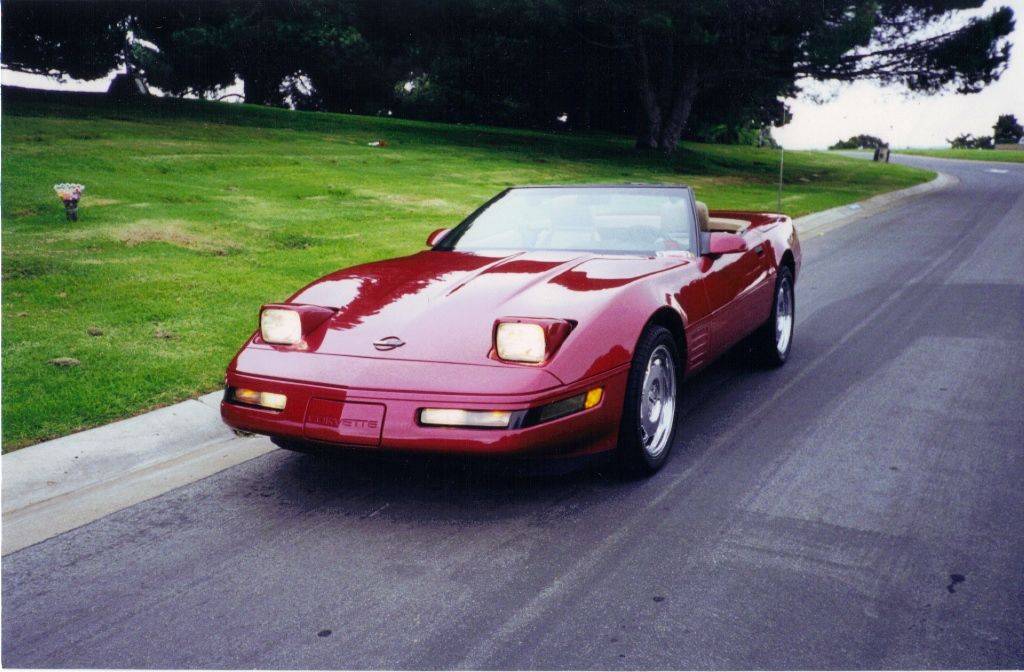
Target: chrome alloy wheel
658 402
784 315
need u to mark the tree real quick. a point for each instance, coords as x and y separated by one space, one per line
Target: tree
661 68
477 61
964 141
968 141
204 46
1008 130
307 52
676 50
860 142
196 49
64 39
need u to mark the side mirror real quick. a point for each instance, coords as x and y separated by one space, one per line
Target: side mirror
726 243
436 236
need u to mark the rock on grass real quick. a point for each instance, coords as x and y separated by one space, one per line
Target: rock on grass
65 362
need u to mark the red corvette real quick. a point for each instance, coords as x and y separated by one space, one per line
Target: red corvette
552 321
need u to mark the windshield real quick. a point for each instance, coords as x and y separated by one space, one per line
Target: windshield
587 219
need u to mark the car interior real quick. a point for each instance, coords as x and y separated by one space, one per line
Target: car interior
720 224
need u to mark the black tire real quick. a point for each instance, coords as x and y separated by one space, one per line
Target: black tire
639 452
773 340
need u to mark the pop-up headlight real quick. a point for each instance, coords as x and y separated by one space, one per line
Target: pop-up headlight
529 340
280 326
290 323
520 342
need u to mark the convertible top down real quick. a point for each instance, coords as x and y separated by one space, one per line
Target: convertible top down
554 320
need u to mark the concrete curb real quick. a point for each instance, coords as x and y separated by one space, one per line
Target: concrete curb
822 222
58 485
52 487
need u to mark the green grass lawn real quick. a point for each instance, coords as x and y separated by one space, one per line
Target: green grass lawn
1008 155
196 213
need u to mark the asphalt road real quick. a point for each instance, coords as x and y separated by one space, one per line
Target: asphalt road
860 508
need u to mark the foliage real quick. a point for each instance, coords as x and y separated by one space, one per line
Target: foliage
750 53
64 39
676 67
725 134
860 142
604 64
968 141
193 59
1008 130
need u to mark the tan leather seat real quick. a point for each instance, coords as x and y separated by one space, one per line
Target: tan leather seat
703 217
709 223
727 224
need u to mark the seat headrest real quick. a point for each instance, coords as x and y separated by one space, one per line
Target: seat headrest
703 216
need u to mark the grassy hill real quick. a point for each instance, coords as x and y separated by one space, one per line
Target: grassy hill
196 213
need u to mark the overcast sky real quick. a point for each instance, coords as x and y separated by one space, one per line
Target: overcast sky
909 121
890 113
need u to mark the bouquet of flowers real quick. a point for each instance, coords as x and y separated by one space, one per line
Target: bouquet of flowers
69 195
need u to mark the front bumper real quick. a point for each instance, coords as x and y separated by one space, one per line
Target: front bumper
367 418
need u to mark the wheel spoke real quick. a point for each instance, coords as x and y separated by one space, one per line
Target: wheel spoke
783 315
657 402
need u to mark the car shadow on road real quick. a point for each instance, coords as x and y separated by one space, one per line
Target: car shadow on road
418 484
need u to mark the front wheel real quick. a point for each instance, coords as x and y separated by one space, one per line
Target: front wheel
649 415
773 341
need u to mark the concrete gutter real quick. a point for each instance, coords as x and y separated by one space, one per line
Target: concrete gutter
58 485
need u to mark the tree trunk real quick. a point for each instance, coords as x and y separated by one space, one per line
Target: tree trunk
254 90
650 110
261 87
682 105
650 121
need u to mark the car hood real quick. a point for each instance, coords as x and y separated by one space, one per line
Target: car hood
442 305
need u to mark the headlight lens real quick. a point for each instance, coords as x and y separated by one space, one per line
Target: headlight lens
456 417
282 327
520 342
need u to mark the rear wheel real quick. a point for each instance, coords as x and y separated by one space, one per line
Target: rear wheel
773 341
652 392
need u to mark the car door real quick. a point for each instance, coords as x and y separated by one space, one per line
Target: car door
736 285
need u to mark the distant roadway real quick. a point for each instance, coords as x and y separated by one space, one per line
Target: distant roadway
863 507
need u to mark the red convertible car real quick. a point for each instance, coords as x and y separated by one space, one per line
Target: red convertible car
554 320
